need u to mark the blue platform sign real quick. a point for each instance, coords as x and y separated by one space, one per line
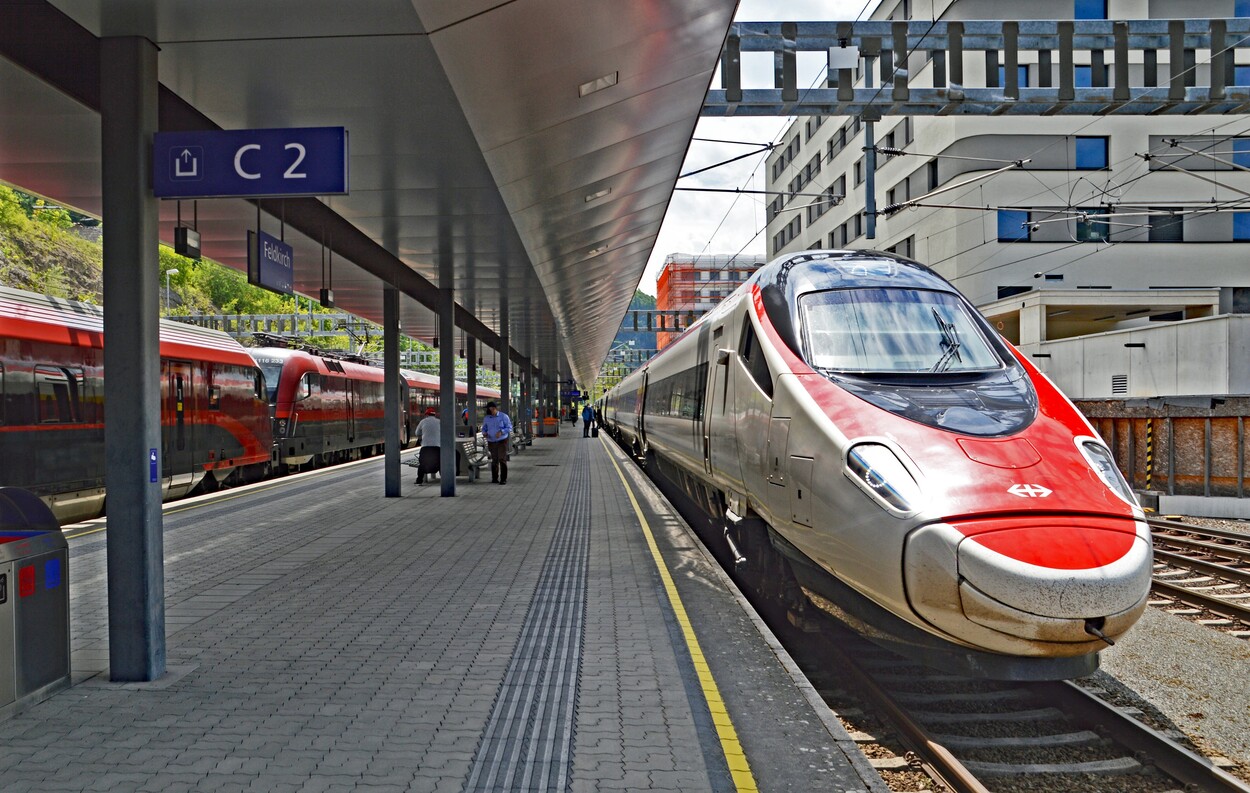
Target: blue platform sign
250 163
270 262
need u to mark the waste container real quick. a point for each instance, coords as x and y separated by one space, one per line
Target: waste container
34 600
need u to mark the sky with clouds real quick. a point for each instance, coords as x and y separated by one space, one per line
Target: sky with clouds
725 222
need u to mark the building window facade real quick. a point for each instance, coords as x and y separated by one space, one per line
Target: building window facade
1092 153
1092 229
1089 9
1241 227
1013 225
1166 228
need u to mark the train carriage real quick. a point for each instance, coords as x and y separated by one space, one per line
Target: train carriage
214 415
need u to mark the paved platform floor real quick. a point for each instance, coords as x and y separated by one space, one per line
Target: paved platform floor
322 637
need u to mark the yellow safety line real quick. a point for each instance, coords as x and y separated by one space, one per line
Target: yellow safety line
739 768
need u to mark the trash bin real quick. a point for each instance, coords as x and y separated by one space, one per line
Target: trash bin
34 600
550 427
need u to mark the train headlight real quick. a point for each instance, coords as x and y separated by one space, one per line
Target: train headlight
1100 458
877 469
281 426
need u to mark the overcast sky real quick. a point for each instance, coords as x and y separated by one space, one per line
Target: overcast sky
728 223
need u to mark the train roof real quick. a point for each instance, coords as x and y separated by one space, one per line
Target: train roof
330 365
785 278
311 362
53 320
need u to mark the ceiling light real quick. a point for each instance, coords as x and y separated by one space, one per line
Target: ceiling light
606 81
599 194
599 250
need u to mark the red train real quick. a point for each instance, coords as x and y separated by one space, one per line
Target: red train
222 421
330 409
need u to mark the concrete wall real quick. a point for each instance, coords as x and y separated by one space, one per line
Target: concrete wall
1199 357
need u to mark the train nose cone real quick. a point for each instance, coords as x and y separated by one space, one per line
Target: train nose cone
1029 585
1064 572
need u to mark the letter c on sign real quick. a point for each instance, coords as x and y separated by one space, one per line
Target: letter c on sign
238 161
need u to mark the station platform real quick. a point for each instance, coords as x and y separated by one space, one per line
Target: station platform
563 632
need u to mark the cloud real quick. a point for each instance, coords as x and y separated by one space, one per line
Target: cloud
725 222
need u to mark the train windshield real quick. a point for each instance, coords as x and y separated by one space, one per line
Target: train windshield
893 330
272 369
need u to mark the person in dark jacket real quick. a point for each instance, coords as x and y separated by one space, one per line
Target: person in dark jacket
588 418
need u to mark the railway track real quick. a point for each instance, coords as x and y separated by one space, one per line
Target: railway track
978 736
1202 574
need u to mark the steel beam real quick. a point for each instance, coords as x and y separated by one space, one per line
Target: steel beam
945 44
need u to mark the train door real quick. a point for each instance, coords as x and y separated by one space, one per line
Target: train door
640 410
352 393
179 434
722 449
703 441
405 412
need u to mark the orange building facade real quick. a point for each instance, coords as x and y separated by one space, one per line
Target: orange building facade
694 284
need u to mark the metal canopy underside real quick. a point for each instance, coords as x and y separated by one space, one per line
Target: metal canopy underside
470 145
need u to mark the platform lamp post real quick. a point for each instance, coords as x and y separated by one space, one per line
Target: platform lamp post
169 272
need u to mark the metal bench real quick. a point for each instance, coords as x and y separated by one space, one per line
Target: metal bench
474 456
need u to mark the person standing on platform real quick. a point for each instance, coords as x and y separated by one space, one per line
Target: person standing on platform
429 433
497 429
588 418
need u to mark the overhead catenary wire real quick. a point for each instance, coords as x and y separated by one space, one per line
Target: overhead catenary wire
776 139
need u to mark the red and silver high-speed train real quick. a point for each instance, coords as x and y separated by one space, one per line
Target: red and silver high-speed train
922 480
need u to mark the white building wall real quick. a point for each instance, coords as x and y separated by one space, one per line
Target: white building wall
1198 357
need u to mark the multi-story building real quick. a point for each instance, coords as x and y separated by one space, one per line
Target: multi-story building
1114 258
695 283
1087 211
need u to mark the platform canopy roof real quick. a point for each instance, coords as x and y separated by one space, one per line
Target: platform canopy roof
527 147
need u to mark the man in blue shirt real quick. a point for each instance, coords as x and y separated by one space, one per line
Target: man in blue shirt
588 417
497 428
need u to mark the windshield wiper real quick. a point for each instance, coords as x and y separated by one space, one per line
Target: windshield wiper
950 340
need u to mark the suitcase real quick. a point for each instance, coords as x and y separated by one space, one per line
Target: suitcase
594 431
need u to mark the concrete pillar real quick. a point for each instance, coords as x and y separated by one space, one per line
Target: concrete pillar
134 455
393 396
447 387
505 362
524 411
1032 324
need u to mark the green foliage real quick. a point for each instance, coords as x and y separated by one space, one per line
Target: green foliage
12 212
642 300
50 215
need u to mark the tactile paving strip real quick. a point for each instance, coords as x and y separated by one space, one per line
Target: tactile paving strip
527 744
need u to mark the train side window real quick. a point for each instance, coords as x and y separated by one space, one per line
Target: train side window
258 382
753 356
58 395
305 387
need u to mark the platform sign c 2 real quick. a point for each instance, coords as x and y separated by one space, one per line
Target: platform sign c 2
152 470
250 163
